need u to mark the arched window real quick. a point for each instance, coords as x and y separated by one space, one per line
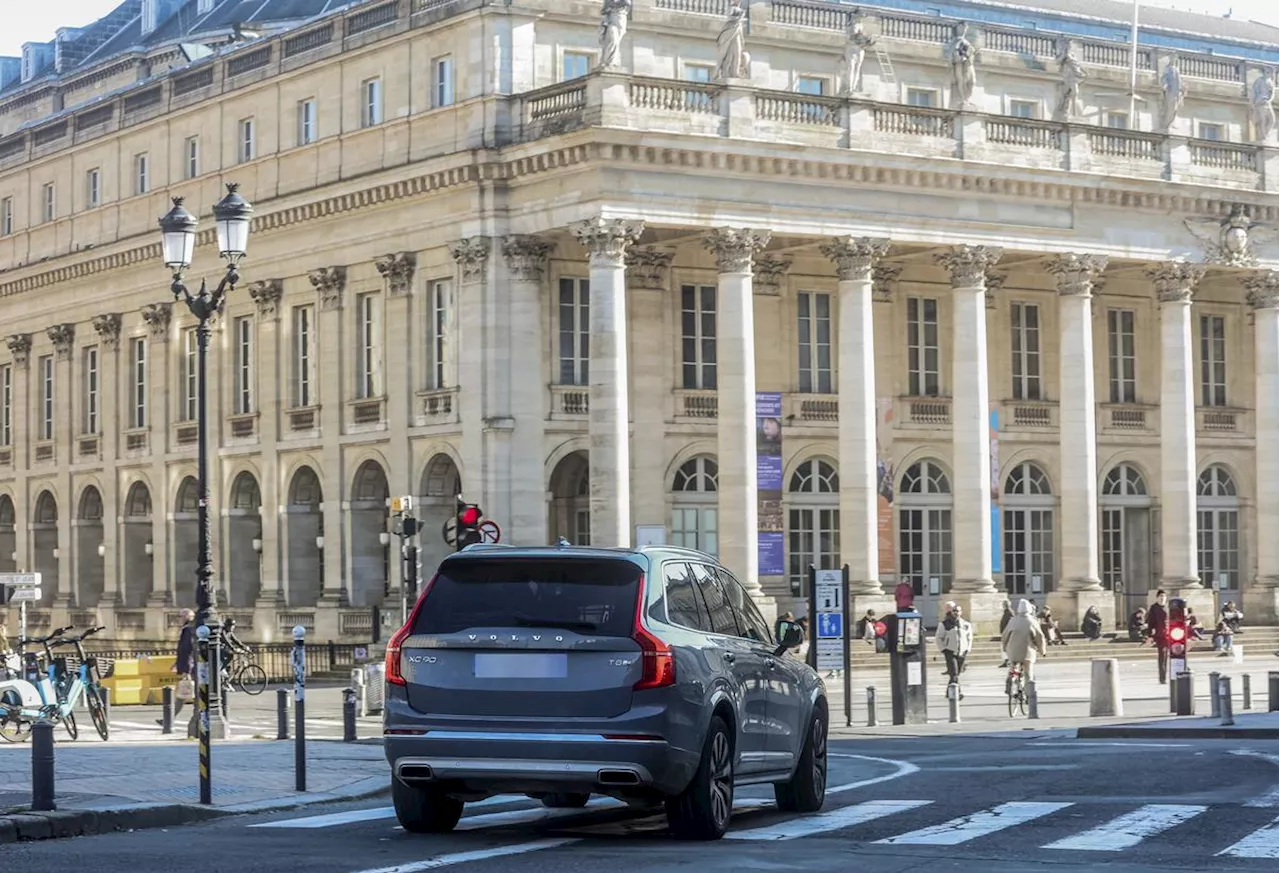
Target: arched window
46 509
245 495
813 522
91 505
1028 531
188 502
925 534
571 499
695 505
1125 534
1218 530
138 503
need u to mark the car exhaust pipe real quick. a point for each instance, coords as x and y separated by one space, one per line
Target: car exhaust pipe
618 777
415 773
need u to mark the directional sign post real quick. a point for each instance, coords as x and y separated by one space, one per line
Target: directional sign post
829 618
26 588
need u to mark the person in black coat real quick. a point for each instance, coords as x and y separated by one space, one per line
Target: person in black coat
1091 624
1157 627
185 663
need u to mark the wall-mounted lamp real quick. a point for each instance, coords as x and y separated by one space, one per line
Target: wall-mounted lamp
55 553
320 543
102 550
149 549
13 556
257 544
384 538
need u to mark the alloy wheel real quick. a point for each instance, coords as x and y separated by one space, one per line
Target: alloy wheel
819 741
721 778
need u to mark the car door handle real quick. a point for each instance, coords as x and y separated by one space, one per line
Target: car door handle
730 657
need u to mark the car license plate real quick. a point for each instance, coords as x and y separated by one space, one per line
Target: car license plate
522 666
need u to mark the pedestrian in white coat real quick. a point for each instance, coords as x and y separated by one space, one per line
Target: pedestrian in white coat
955 639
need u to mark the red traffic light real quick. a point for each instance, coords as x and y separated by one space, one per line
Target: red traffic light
469 516
1177 633
881 628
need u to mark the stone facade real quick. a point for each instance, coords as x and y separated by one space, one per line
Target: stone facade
474 270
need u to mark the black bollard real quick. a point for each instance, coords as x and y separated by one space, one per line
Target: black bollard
299 709
1246 692
348 715
42 767
166 710
282 713
1273 690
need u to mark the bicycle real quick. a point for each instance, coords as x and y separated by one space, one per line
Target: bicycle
84 681
35 696
248 676
1015 687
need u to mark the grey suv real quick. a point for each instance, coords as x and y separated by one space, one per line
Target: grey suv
560 672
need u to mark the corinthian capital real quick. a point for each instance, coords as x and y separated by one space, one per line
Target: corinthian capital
735 248
968 265
266 293
471 255
108 328
647 267
855 256
397 269
526 256
157 316
20 348
329 283
607 239
1175 281
1076 273
1260 286
63 336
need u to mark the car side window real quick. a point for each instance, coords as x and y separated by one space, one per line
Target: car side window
718 606
754 627
684 606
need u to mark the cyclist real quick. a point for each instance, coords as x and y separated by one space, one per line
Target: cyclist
1023 640
231 646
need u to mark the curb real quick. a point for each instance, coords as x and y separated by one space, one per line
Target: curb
1131 732
57 824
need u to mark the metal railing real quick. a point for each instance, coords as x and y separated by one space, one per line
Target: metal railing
276 659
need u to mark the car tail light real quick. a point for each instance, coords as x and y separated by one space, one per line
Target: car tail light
392 663
657 663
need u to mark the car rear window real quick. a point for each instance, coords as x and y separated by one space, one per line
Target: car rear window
586 596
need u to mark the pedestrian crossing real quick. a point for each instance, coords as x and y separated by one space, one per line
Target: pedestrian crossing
1016 827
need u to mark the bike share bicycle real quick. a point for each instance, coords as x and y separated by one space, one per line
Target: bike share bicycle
53 694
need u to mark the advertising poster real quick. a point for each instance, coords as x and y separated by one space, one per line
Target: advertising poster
770 548
884 488
996 539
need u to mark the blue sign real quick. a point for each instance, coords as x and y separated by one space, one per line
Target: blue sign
771 555
830 626
769 472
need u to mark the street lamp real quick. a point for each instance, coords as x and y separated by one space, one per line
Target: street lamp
231 215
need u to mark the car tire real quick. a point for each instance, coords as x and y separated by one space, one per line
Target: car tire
702 811
807 789
424 809
565 800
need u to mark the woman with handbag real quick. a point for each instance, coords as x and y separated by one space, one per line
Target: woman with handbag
184 664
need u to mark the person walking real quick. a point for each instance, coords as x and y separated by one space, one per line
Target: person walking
1158 628
1023 641
955 639
1006 614
184 664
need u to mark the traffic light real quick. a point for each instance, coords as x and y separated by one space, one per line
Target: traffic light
468 518
1176 634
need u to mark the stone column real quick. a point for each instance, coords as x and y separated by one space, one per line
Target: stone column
160 409
472 256
648 272
855 259
1080 586
606 241
400 361
1261 603
19 346
971 433
65 430
526 378
274 373
110 422
1175 284
734 249
330 284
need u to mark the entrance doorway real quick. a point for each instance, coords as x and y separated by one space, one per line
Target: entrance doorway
924 536
1125 549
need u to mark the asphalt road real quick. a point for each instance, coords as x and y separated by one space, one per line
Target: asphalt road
975 804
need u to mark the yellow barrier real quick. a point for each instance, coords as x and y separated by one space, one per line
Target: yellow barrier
139 680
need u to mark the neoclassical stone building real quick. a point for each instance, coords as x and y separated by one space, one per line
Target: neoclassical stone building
937 299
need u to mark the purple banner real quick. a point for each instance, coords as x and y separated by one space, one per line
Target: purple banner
771 552
772 555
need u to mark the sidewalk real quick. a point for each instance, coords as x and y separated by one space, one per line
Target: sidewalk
1248 726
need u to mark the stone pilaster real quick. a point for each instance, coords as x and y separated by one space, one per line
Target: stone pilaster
648 280
163 360
109 426
330 284
971 429
856 259
1261 602
472 256
65 427
606 241
400 361
526 407
734 250
1078 449
272 397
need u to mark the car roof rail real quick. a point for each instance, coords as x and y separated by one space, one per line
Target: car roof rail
682 550
481 547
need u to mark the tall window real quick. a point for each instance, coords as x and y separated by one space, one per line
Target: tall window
442 81
244 365
49 198
441 292
1025 331
1117 120
698 336
1125 505
574 331
91 392
1028 531
924 505
1024 108
813 342
138 375
813 522
922 347
576 65
189 387
303 355
1218 529
191 156
141 174
6 405
306 121
246 141
6 216
371 111
93 188
1213 360
815 85
46 397
367 346
1121 356
926 97
694 510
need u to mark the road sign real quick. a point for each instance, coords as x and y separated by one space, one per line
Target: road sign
830 626
20 580
830 654
828 590
23 594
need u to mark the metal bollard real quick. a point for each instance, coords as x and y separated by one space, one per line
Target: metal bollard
282 713
348 715
166 710
953 703
871 706
1215 705
1273 690
1033 702
42 767
1246 692
1173 698
1224 695
300 708
1184 702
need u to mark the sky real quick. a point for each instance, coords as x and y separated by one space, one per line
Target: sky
35 21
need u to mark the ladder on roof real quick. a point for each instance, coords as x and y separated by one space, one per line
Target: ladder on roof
887 75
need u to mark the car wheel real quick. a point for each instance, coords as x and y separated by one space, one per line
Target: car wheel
808 786
702 810
425 809
565 800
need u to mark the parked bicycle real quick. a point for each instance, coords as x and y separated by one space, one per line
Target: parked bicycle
80 680
1015 687
34 696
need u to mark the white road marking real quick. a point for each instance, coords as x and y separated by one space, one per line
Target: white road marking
1032 768
1272 796
1121 745
903 768
358 815
845 817
1126 831
468 857
980 824
1262 843
524 816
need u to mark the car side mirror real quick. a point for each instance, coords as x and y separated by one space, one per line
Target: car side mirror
792 637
